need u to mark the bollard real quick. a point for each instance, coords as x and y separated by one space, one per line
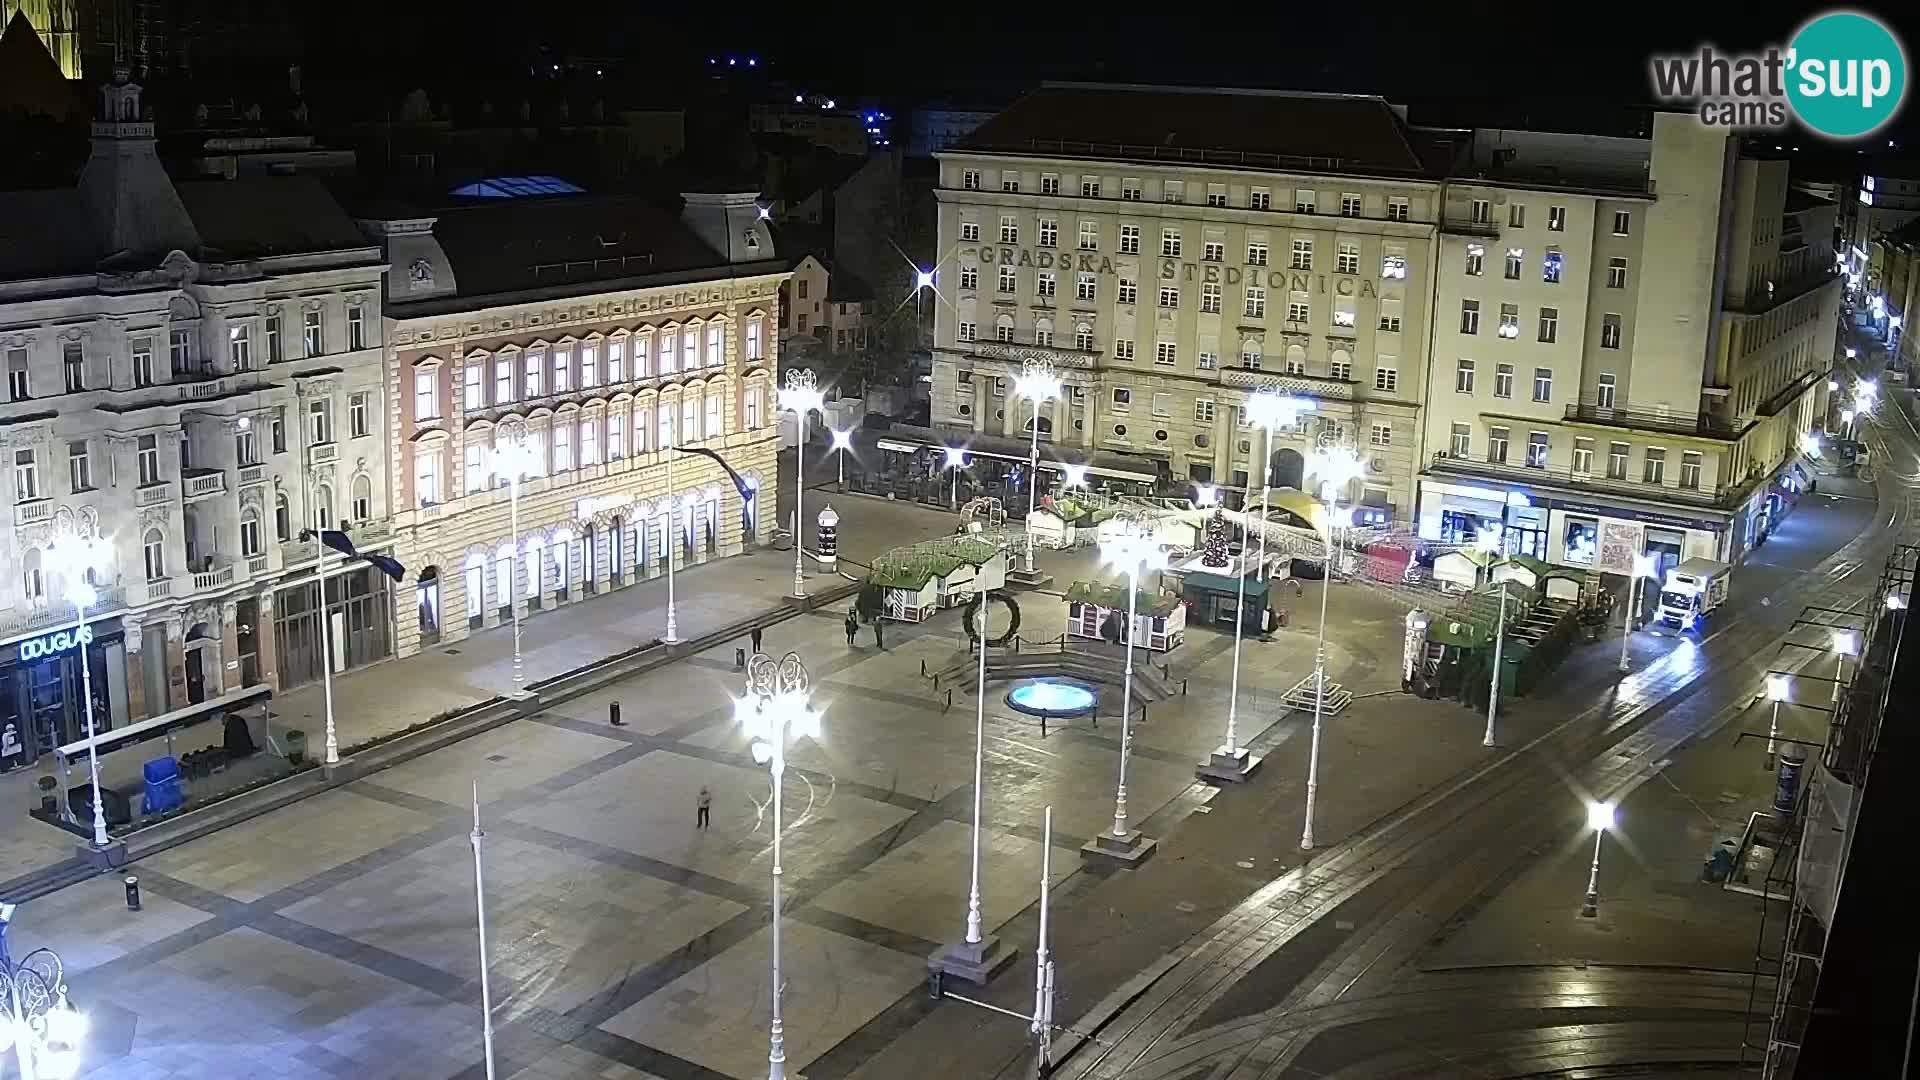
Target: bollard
613 714
739 659
1183 687
133 893
949 699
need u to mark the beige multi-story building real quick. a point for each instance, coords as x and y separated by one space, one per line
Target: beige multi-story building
1172 250
193 375
597 331
1631 338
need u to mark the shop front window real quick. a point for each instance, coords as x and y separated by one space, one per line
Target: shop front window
1582 542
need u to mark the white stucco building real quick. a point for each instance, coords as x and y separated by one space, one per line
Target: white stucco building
1630 338
194 374
1169 250
598 330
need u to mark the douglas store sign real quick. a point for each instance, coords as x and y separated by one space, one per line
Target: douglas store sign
55 643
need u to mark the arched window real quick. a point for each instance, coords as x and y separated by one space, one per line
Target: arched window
282 518
33 582
249 533
362 498
154 548
1043 332
1003 327
323 506
1046 426
1250 356
1083 337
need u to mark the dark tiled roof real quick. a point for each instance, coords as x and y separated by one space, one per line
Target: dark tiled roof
1246 128
44 233
518 244
261 216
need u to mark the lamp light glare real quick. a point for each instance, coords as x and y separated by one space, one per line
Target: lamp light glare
1833 384
956 457
923 279
1846 642
842 440
1645 566
1076 476
1896 602
1206 494
1600 816
1777 687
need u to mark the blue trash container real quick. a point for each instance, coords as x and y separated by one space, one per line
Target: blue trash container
164 791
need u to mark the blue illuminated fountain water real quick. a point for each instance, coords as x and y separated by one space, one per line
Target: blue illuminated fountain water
1053 697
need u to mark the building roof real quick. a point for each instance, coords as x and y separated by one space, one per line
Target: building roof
1294 131
264 216
30 78
1799 202
498 246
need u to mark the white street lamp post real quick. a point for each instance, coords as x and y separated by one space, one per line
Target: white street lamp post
516 459
1132 546
975 957
842 444
75 557
1493 690
1042 1026
1599 819
1267 409
956 460
1777 691
674 544
802 397
774 708
1336 466
1845 643
1643 568
480 913
1037 383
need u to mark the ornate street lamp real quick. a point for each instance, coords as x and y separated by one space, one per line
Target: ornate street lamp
516 458
37 1022
1132 546
801 396
1335 466
77 556
775 707
1037 383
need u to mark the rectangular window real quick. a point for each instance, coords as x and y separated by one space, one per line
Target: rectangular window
1089 236
1256 254
73 362
1517 215
1482 212
1049 184
1296 365
1386 379
1165 354
143 361
1349 205
356 326
424 406
715 427
1549 325
19 385
1516 258
1398 209
1299 311
1542 384
1089 187
1390 323
1497 445
246 449
1656 465
1250 356
1045 283
1170 243
1622 220
357 414
1122 399
589 366
1616 273
319 422
1476 260
1347 259
590 441
1537 449
1503 380
180 351
966 331
969 231
617 434
1217 195
1049 233
642 357
1469 316
503 380
969 277
426 476
1083 337
80 465
1123 350
476 468
1010 181
147 457
1213 251
689 350
1302 254
276 351
278 426
562 446
1206 360
26 476
1129 239
1129 291
1393 265
970 179
617 354
666 426
1260 199
1174 191
1345 316
535 368
1603 393
1556 219
1042 336
1009 278
474 386
1550 267
563 367
1509 321
1462 441
1463 376
1169 296
1340 369
1617 460
1609 331
1003 331
1382 435
1690 470
1303 202
1210 298
1086 287
1203 411
313 334
1163 404
1130 189
1582 457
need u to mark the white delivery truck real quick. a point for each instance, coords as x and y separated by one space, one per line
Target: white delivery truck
1692 591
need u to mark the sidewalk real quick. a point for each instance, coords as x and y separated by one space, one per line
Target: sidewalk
391 696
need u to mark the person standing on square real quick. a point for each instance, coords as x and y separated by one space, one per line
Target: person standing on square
705 805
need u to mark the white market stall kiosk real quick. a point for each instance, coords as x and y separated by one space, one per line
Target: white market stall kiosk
1459 571
916 582
1160 620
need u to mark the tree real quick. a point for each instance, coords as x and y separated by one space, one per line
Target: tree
1213 550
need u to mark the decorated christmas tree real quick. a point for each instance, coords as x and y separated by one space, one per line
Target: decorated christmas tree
1213 550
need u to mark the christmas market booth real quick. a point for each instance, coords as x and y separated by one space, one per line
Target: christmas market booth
915 582
1098 612
1066 523
1224 579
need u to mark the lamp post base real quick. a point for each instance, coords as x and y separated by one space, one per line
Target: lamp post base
1228 768
111 857
1590 907
1126 851
974 962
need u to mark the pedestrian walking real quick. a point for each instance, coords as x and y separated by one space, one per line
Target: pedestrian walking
705 804
877 642
754 636
852 628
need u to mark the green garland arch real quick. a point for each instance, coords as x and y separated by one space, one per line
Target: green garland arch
970 618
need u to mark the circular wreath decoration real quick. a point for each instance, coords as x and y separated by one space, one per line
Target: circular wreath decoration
971 619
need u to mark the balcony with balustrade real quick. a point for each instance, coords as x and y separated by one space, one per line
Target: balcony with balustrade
197 485
32 511
1699 425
